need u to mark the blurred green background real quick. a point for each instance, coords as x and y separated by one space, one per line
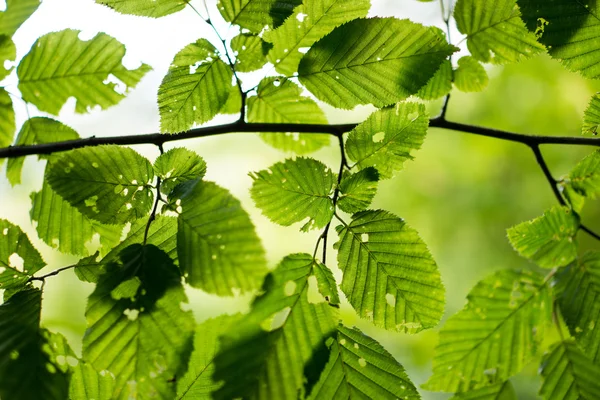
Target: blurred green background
461 193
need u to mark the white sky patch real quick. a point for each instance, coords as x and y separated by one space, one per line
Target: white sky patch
2 5
300 17
15 261
86 35
303 50
119 87
194 68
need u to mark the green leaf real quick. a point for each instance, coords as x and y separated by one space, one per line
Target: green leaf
390 277
470 76
8 52
63 227
195 88
176 166
294 190
387 137
28 371
495 34
145 8
87 383
326 283
7 119
198 382
233 105
439 85
254 15
584 179
17 12
143 339
568 374
37 130
110 184
19 260
570 31
495 335
309 23
360 368
251 52
278 100
578 288
283 335
377 61
60 65
216 242
357 190
498 391
591 116
549 240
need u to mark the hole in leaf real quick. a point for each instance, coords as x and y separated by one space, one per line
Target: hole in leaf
391 299
362 362
289 288
16 261
378 137
276 320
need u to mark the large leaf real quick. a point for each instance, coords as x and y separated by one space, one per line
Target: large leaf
389 274
283 336
569 29
549 240
27 368
294 190
278 101
87 383
495 335
591 116
60 65
251 52
63 227
470 76
310 22
579 300
19 260
177 166
217 245
360 368
8 52
357 190
137 329
386 139
17 12
439 85
376 61
37 130
198 383
498 391
495 32
146 8
254 15
569 375
110 184
195 88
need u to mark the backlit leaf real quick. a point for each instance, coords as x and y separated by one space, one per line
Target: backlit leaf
294 190
549 240
178 165
591 116
390 277
498 391
60 65
87 383
254 15
146 8
495 335
377 61
584 179
326 283
8 52
357 190
251 52
19 260
439 85
17 12
470 76
7 119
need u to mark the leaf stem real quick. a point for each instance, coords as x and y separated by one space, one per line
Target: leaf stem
154 208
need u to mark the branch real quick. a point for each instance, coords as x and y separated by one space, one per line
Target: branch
53 273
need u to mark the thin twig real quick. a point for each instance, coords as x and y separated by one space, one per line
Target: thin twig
154 208
53 273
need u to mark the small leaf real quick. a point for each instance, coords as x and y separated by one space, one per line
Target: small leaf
578 288
178 165
326 283
198 383
283 335
254 15
217 244
233 105
584 179
19 260
360 368
389 277
60 65
357 190
568 374
470 76
145 8
549 240
7 119
309 23
591 116
377 61
195 88
294 190
386 139
498 391
143 340
478 346
34 131
8 52
17 12
251 52
570 31
278 101
495 34
439 84
110 184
